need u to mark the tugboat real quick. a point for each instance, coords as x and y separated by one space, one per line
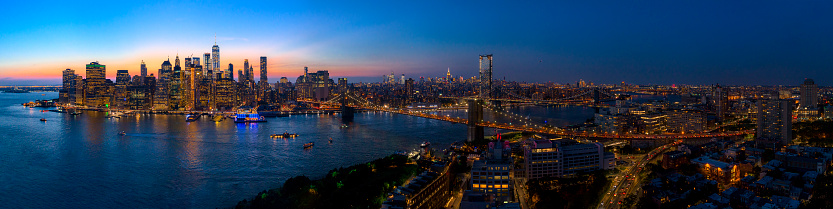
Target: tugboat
284 135
43 119
308 145
192 117
248 116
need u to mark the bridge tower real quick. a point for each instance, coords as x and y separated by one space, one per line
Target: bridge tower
347 111
596 95
475 132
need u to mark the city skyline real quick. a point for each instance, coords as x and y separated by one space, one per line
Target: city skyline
644 43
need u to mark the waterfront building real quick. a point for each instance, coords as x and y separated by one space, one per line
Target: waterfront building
120 95
430 189
162 94
562 158
774 121
69 88
225 94
79 90
97 91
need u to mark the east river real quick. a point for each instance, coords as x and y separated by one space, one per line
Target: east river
164 162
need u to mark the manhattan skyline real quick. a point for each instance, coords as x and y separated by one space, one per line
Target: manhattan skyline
562 42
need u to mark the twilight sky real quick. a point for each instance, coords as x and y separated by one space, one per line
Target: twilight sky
644 42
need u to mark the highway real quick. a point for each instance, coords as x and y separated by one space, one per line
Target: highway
627 181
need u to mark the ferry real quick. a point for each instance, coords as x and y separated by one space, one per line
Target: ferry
284 135
248 116
192 117
308 145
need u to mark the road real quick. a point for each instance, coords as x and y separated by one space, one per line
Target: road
626 182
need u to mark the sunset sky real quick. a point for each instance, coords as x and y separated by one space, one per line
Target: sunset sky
645 42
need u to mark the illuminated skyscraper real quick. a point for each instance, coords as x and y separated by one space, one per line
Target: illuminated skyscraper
207 66
230 72
68 92
486 76
144 70
215 60
263 77
162 94
448 75
720 102
120 94
247 74
175 87
96 86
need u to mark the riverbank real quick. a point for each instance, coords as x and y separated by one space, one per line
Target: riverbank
357 186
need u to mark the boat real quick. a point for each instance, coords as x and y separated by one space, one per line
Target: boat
122 133
75 113
218 118
43 119
248 116
44 111
344 126
331 140
308 145
192 117
284 135
424 144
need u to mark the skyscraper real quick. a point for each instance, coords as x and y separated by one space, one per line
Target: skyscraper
486 76
247 75
207 69
162 94
215 60
809 95
720 102
774 120
230 72
120 94
144 70
96 86
263 77
68 91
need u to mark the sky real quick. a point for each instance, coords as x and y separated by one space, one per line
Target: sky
640 42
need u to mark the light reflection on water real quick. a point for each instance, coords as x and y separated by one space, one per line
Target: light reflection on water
82 162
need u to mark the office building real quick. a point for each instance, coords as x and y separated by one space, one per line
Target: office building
490 175
774 121
120 95
144 70
69 89
486 76
263 76
809 95
162 94
97 89
720 102
561 158
686 121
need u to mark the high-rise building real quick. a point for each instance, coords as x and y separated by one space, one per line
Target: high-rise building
97 89
68 92
120 95
774 120
248 77
175 86
230 72
448 75
560 158
144 70
215 61
486 76
207 67
720 102
263 77
162 95
809 95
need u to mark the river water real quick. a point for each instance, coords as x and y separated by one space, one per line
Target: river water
164 162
